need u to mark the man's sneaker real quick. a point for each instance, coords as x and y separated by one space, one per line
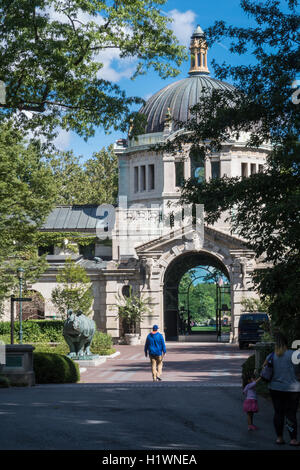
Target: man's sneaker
158 378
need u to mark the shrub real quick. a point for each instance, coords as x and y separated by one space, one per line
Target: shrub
102 344
59 348
248 369
43 332
35 331
4 382
5 339
54 368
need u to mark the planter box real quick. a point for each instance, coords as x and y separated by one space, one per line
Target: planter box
132 339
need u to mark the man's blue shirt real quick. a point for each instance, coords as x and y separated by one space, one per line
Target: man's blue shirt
155 344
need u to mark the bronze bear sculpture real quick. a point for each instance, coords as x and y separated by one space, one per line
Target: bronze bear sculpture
78 332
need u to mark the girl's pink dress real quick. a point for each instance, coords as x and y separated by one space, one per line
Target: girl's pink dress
250 403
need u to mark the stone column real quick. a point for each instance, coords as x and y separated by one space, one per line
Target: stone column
169 173
151 289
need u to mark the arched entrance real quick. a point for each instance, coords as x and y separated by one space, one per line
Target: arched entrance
177 313
33 310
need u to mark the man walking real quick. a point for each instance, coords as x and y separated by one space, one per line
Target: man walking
156 347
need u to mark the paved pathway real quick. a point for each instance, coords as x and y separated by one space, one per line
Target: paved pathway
197 363
198 406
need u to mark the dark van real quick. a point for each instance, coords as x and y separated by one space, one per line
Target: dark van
250 330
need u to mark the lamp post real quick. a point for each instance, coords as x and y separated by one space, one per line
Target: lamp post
20 273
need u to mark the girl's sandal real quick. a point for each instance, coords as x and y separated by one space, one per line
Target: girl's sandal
297 444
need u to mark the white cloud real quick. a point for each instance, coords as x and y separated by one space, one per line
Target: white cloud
82 16
183 25
114 68
62 141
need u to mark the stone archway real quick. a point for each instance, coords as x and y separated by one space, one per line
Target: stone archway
226 252
172 277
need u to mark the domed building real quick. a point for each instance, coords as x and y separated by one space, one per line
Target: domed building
150 185
154 240
178 97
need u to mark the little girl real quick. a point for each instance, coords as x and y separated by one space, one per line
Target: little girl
250 404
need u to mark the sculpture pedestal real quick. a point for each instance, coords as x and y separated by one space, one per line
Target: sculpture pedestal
89 361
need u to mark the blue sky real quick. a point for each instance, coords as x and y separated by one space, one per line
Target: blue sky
186 16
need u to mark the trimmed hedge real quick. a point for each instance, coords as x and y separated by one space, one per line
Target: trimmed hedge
43 332
35 331
50 368
54 368
4 382
60 348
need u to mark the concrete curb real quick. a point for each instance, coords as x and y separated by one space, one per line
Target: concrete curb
95 363
111 356
122 385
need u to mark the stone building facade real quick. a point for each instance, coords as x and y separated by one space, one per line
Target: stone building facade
151 244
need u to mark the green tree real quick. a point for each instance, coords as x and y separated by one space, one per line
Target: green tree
92 182
71 179
27 195
75 289
102 173
52 57
267 204
199 297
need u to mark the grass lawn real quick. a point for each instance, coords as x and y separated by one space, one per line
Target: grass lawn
225 329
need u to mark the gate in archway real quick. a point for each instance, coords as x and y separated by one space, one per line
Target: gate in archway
178 326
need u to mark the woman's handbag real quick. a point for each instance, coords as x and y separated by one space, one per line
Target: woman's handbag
267 370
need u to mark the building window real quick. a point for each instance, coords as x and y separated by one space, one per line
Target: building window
197 165
46 250
199 59
179 174
215 170
143 178
244 170
87 251
253 168
151 177
136 179
126 291
260 168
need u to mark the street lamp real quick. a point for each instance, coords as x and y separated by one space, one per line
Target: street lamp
20 273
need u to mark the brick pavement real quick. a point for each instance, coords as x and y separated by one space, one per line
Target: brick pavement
196 363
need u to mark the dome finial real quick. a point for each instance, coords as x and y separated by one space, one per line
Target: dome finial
198 50
198 31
